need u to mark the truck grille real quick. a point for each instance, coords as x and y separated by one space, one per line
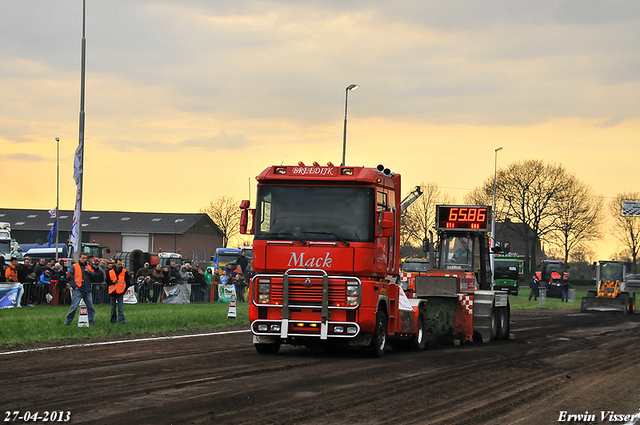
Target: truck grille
301 294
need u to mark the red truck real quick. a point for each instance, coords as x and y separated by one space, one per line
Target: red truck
326 253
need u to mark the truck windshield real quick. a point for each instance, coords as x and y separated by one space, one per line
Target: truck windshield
5 247
552 268
415 266
315 213
611 271
227 258
92 251
457 252
506 269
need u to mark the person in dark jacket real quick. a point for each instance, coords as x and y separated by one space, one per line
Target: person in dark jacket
242 261
2 266
24 270
80 276
534 288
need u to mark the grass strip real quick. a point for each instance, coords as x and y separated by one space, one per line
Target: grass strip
40 324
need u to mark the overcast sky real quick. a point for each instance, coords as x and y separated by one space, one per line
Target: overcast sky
189 100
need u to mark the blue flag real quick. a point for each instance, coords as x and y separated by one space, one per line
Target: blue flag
52 234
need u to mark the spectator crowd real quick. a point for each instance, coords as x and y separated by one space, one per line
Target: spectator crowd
48 281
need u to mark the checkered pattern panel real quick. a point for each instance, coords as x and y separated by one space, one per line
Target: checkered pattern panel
467 302
631 208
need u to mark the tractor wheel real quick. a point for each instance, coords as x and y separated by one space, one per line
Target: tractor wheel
379 338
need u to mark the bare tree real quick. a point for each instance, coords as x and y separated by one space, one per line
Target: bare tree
419 219
225 213
626 228
526 192
578 217
583 253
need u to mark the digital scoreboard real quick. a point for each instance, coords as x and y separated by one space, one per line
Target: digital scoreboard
463 217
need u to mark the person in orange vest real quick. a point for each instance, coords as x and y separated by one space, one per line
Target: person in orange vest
118 280
80 276
11 273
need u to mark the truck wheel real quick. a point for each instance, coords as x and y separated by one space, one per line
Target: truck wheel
267 348
419 340
632 305
379 338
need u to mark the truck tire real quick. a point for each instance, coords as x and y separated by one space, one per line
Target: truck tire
419 340
267 348
495 323
379 338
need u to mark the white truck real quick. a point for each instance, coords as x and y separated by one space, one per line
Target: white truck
5 240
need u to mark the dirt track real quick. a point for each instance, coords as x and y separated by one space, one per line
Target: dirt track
558 362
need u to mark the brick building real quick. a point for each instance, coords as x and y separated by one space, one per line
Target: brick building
196 236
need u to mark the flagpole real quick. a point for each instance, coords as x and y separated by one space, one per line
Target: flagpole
78 210
57 191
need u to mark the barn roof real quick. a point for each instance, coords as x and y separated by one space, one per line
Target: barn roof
111 221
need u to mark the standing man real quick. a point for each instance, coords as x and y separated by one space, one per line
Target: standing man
80 275
565 289
11 273
534 287
24 270
242 261
118 281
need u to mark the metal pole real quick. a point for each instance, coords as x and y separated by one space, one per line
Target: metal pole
76 255
493 210
351 87
57 191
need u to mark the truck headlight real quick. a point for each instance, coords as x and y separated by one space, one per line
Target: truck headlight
353 290
264 299
352 301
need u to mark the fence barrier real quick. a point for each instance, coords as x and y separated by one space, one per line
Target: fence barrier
58 294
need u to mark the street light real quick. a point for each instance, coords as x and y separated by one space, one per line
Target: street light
493 211
351 87
57 191
175 233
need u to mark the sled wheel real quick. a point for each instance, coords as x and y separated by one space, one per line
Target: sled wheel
495 323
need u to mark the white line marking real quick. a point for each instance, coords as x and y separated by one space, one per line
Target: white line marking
120 342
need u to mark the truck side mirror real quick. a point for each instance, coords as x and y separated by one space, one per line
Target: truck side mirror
385 224
244 218
425 245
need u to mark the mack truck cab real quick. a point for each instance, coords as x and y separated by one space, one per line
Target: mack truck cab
326 252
